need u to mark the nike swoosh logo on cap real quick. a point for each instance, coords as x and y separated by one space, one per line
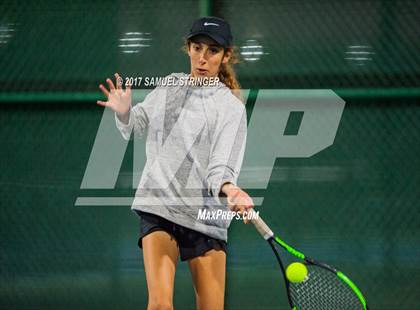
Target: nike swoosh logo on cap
210 24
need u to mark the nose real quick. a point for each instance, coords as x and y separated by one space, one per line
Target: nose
202 58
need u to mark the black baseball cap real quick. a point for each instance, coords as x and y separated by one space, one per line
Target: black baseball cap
214 27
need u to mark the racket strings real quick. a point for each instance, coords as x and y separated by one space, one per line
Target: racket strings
323 290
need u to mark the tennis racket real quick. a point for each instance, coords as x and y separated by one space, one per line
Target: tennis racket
324 288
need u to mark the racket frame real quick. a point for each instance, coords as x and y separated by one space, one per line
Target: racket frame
269 236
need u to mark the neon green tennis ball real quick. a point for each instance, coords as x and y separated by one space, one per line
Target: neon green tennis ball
296 272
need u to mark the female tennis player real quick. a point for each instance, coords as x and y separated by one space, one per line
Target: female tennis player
195 144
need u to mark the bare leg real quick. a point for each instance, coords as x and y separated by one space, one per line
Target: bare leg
160 254
208 272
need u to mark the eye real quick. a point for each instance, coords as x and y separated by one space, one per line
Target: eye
196 47
214 50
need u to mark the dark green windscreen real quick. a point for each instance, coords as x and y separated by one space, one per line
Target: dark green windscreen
71 46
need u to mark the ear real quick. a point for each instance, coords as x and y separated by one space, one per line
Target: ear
227 56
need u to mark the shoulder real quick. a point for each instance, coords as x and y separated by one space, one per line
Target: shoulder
226 108
228 101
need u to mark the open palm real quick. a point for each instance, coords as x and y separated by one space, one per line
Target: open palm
119 100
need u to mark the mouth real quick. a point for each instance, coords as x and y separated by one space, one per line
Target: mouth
201 71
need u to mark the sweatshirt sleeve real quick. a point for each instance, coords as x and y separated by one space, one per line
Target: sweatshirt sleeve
227 151
138 116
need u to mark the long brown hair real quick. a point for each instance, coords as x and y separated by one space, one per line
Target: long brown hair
226 74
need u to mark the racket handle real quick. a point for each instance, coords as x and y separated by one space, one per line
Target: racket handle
261 226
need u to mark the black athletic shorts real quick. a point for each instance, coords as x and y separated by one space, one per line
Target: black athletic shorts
191 243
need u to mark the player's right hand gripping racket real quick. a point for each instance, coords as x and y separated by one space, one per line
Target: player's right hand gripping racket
324 288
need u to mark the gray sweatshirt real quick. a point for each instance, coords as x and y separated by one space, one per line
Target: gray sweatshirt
195 143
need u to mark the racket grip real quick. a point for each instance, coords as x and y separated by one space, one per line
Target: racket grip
261 226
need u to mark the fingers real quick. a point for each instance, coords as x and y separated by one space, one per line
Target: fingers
111 85
101 103
246 221
104 90
118 81
241 203
243 200
245 212
128 89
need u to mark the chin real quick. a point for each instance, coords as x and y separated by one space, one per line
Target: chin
202 74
